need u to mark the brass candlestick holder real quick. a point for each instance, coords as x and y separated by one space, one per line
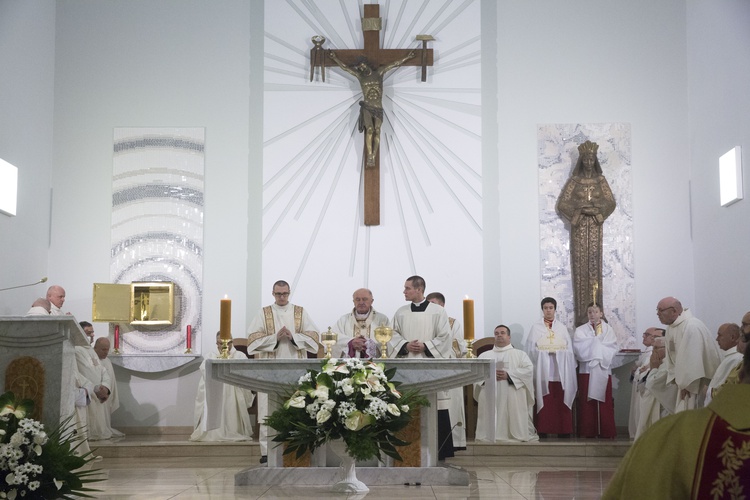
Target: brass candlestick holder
329 340
224 348
470 349
383 334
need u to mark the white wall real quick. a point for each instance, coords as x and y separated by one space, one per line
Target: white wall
145 63
719 72
194 63
27 59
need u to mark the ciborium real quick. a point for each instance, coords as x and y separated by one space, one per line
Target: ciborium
383 334
329 340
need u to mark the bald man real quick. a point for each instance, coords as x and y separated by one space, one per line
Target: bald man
692 354
638 377
727 337
356 328
100 412
56 296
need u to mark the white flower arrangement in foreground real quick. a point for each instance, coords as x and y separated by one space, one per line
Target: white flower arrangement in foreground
37 465
351 399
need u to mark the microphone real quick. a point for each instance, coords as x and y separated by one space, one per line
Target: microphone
450 433
43 280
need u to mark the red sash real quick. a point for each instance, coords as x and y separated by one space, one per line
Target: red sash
723 467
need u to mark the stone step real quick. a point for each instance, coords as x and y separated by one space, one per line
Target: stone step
180 446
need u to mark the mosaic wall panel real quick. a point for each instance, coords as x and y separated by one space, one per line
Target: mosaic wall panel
557 156
157 228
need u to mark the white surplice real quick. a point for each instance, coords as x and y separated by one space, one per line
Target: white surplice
638 385
594 354
456 408
552 366
514 420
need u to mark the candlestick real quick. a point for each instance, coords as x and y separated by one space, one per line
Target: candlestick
189 339
225 324
468 319
117 340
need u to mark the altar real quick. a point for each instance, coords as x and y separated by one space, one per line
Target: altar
274 377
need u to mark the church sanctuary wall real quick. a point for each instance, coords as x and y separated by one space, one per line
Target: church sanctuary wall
719 69
27 59
189 63
151 64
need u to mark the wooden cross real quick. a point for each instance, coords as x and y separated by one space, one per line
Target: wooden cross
377 57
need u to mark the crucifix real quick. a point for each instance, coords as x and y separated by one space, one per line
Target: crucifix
369 66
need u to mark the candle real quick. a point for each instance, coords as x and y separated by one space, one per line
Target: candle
225 325
468 319
189 341
117 337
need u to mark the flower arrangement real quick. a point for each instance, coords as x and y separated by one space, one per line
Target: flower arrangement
351 399
37 465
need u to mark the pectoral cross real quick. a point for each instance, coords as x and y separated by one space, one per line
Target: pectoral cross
379 59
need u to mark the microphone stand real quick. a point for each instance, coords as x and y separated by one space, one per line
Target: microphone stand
43 280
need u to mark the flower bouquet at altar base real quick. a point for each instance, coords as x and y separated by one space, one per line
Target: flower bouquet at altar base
350 399
37 465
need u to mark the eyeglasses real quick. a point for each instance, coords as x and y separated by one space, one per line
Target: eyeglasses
659 311
281 294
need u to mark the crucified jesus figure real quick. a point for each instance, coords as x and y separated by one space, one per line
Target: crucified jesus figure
371 111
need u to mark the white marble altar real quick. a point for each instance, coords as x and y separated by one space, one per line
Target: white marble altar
275 376
51 340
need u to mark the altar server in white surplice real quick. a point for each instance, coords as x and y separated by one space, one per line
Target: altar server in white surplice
421 330
100 413
458 348
550 348
356 329
235 420
279 331
514 420
595 346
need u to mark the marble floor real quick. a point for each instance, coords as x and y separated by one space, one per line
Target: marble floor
492 476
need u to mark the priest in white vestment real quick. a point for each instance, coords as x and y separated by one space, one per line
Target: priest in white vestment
356 329
100 413
514 419
550 348
727 337
659 397
421 330
638 377
56 297
40 307
692 354
91 374
457 406
279 331
235 420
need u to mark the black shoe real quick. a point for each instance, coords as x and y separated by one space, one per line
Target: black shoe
263 459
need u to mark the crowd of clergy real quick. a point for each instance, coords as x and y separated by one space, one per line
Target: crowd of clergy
682 367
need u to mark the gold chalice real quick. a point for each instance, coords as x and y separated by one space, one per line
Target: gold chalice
383 334
329 340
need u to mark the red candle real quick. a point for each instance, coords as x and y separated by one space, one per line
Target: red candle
189 336
117 336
